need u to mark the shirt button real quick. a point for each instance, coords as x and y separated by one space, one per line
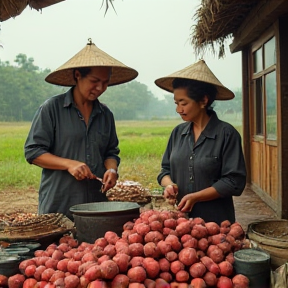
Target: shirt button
191 157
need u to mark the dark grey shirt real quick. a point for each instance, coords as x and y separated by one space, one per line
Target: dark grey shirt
216 160
59 128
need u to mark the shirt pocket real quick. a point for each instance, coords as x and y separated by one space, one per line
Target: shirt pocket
99 142
210 166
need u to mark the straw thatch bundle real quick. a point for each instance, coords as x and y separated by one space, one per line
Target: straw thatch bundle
12 8
216 22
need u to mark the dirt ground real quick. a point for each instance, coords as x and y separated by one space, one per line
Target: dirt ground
18 200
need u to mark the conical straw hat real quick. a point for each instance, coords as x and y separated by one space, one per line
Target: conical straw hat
91 56
198 71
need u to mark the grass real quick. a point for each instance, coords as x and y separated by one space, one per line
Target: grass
142 144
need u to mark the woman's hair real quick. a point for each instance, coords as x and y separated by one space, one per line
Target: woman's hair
84 71
196 90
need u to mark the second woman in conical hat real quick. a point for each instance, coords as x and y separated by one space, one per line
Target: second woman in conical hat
73 136
203 166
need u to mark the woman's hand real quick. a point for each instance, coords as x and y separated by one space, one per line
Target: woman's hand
187 202
170 193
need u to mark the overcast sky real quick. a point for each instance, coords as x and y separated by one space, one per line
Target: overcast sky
152 36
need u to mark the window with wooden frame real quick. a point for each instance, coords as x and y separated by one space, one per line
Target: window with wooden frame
264 89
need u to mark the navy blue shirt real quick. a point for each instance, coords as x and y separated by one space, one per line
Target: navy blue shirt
216 160
59 128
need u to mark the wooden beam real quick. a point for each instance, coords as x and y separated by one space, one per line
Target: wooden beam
260 18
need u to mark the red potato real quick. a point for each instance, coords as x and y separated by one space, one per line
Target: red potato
182 276
200 254
128 225
23 264
142 229
56 275
122 260
166 276
59 283
110 250
198 283
164 247
136 261
40 260
93 273
41 284
217 255
101 242
197 270
51 263
73 266
225 246
156 225
153 236
164 265
125 234
151 249
109 269
39 270
85 266
224 230
168 231
103 258
230 257
202 244
135 238
179 285
62 264
218 238
64 247
30 270
176 266
240 281
181 219
40 253
183 228
199 231
188 256
3 280
71 281
152 267
225 223
87 257
78 255
161 283
46 274
210 265
224 282
16 281
210 279
237 231
111 237
30 283
122 246
149 283
171 256
57 254
212 228
170 223
198 220
226 268
120 281
136 285
136 274
98 251
154 217
98 284
173 240
164 215
136 249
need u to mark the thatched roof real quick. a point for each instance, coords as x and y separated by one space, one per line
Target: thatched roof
12 8
217 21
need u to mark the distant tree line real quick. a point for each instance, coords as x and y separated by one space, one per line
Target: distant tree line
23 89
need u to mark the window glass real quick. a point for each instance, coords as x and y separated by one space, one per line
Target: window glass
271 106
269 53
258 62
258 107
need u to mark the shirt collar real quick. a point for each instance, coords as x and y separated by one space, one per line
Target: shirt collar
68 101
209 131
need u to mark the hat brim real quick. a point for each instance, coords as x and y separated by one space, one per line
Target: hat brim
91 56
199 72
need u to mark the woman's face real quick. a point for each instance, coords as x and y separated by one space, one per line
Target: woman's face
187 108
93 84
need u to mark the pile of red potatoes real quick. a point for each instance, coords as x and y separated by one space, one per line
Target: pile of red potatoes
160 249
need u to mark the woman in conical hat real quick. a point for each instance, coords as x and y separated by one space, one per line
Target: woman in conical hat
73 136
203 166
